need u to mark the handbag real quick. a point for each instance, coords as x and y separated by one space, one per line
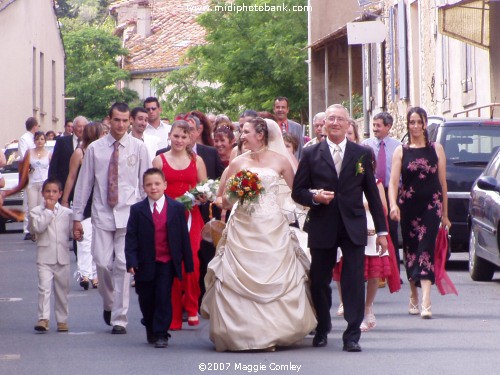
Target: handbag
212 230
443 281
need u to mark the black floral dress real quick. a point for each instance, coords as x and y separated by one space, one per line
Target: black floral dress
420 202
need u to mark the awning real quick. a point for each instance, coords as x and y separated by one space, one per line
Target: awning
467 21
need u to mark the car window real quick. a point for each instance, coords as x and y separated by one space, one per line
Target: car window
471 143
493 168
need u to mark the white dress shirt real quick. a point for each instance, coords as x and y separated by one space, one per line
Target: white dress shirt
159 204
162 132
133 162
26 142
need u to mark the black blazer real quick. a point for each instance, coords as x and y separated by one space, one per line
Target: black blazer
316 170
140 251
59 163
214 167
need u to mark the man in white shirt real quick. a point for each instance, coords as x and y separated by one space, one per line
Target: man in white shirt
27 140
155 125
139 121
113 167
318 123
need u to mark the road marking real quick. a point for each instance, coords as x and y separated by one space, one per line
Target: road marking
82 333
9 357
12 251
5 299
77 295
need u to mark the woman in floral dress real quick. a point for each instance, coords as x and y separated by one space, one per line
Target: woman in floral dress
423 202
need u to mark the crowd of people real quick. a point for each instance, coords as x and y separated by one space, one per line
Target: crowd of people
114 191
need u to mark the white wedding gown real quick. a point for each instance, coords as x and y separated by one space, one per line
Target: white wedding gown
257 284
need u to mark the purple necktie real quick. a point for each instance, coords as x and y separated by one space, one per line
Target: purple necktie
113 176
381 163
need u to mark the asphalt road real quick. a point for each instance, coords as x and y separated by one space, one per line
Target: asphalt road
462 338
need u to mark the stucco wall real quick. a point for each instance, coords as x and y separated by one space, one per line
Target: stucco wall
25 25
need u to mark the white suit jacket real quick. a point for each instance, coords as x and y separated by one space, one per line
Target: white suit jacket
52 231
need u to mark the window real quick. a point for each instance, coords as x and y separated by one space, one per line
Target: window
42 112
468 68
33 81
54 88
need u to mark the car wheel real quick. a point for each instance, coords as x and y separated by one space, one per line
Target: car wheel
479 269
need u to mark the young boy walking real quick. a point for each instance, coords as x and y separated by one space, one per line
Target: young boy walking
51 223
156 245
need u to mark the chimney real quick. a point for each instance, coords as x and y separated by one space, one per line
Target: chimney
144 19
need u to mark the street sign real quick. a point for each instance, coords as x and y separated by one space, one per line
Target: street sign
366 32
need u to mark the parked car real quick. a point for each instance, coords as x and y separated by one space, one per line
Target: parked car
10 172
484 215
468 145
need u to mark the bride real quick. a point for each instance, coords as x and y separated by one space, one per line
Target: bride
257 284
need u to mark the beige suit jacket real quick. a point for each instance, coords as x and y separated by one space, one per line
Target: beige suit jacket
52 231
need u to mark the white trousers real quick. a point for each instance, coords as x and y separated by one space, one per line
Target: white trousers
32 197
85 263
59 274
108 250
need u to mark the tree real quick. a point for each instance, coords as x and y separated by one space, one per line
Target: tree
92 70
250 57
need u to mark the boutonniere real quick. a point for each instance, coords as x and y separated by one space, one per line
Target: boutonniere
359 166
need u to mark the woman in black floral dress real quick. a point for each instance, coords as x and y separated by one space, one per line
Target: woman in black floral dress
423 201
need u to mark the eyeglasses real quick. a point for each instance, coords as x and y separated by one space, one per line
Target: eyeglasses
151 109
336 118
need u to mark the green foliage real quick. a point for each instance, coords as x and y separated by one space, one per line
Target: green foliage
186 93
250 58
88 11
92 70
357 106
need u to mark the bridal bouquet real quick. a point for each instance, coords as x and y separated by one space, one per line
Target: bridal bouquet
208 189
244 186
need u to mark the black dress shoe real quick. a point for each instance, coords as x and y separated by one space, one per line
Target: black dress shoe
118 330
107 317
27 237
162 342
152 339
320 340
351 346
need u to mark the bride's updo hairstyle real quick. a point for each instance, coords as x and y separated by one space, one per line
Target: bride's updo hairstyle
260 126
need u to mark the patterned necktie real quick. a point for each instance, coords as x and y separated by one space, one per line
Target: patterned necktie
156 213
113 176
283 127
337 159
381 163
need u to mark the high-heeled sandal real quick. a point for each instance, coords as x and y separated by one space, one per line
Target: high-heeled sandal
369 322
95 283
340 310
426 312
413 308
193 320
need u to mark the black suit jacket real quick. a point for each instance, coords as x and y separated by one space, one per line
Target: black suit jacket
59 163
317 171
214 166
140 251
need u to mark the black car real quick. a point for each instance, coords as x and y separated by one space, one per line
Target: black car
484 215
469 145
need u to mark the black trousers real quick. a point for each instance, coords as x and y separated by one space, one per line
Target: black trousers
155 299
352 283
393 229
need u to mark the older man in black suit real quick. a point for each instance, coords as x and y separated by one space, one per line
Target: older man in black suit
331 179
59 163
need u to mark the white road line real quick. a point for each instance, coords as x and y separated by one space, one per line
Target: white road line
6 299
9 357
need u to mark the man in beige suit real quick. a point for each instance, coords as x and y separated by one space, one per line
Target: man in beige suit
51 224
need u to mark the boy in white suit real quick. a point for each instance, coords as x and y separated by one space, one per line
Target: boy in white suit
52 225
